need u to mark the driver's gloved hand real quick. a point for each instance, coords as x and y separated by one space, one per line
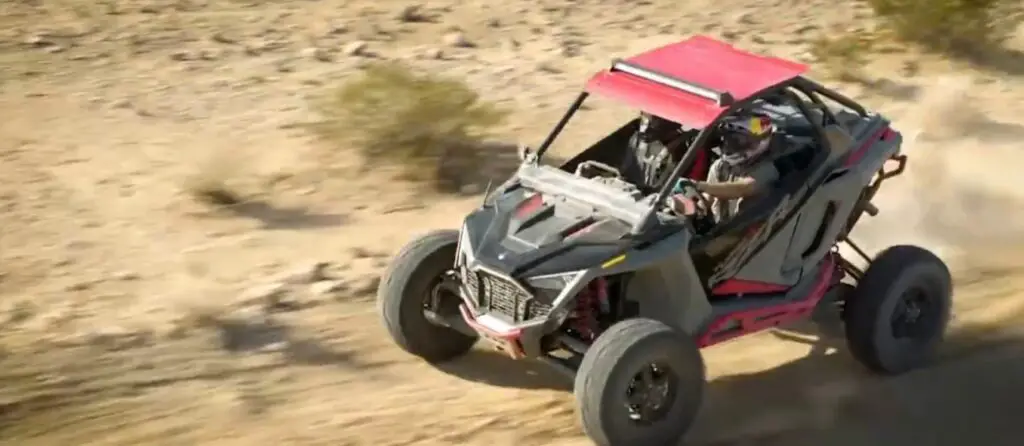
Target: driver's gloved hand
680 186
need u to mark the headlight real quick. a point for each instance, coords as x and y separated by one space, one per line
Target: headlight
465 250
555 282
549 288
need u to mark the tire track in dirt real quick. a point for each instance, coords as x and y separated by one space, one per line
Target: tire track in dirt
772 391
327 375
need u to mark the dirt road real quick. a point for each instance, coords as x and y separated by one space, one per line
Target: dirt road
130 314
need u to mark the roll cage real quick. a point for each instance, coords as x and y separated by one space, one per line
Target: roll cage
790 89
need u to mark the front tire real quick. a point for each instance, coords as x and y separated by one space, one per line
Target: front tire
406 288
640 383
897 315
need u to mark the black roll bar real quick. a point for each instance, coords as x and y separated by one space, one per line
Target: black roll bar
831 94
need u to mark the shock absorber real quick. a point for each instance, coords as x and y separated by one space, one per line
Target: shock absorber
590 304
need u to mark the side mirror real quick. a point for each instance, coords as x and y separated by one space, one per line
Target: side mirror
525 152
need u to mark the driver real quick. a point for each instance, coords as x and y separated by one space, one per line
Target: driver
745 167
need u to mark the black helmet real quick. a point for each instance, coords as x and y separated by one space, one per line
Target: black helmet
745 137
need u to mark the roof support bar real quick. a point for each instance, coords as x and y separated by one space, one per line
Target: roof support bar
722 98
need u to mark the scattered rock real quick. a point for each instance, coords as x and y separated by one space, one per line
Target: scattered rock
457 39
255 48
38 40
365 285
319 54
910 68
267 296
285 65
804 29
224 37
570 49
209 54
360 252
326 287
412 14
357 48
116 338
338 28
274 347
127 276
548 67
79 286
305 274
745 18
182 55
20 311
433 53
510 44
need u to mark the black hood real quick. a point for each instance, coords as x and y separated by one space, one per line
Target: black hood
525 233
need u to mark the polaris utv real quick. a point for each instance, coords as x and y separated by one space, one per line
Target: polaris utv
588 268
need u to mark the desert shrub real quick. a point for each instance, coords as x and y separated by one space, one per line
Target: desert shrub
950 26
418 122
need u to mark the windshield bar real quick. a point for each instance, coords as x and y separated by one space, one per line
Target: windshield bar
550 139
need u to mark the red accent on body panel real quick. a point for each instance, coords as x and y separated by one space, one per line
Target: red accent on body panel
531 204
580 228
880 135
700 60
740 286
751 321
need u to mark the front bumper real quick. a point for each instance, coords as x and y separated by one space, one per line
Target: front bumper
517 338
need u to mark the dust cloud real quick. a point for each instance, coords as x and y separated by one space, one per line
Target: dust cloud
962 194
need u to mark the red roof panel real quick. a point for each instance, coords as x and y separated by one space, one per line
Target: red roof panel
700 60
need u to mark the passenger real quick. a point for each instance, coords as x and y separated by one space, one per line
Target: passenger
651 155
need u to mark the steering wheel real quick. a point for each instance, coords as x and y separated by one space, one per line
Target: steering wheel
688 189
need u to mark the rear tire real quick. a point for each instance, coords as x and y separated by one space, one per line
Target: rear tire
897 315
405 288
611 379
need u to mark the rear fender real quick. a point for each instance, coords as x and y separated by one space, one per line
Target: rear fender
826 215
876 144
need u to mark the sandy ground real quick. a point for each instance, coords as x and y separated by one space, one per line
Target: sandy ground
129 314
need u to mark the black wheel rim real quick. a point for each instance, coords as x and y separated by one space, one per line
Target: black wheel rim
651 393
914 316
